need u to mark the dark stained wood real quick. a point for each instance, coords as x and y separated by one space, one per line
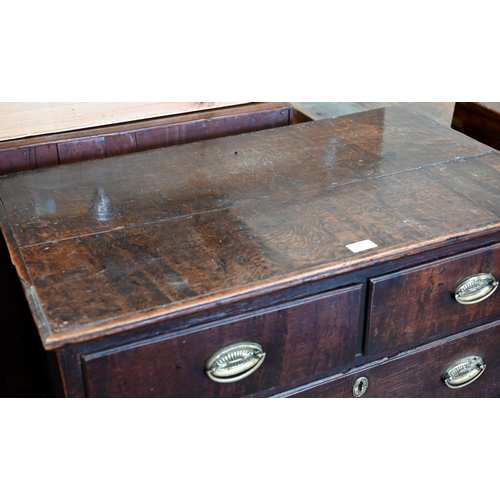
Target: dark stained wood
309 338
15 161
190 179
399 302
100 142
187 226
157 137
46 155
119 144
245 110
419 374
69 355
81 149
138 264
480 120
218 126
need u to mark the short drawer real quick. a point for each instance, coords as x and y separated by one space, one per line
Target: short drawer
412 306
302 340
423 372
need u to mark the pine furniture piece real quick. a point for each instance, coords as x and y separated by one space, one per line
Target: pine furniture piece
31 119
347 257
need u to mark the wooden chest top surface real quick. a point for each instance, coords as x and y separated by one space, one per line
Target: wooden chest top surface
108 243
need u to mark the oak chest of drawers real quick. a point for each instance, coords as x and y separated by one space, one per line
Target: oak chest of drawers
347 257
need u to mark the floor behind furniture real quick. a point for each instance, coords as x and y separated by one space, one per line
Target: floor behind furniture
440 112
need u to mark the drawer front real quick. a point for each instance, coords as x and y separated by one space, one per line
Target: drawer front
418 304
420 374
302 340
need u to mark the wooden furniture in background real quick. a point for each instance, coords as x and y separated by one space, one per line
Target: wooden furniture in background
336 245
480 120
27 119
101 142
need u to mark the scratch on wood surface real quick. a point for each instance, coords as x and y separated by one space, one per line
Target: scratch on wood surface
50 242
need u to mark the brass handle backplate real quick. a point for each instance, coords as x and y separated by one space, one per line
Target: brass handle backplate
234 362
475 288
463 372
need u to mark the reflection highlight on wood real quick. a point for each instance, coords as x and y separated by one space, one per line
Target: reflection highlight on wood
173 227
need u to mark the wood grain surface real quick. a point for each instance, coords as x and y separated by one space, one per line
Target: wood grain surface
115 241
98 142
301 340
400 301
419 374
23 119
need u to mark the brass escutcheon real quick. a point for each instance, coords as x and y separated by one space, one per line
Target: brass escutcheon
360 387
234 362
463 372
475 288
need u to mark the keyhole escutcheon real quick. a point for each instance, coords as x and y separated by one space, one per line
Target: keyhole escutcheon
360 387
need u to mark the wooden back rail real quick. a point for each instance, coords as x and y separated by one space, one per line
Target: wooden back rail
61 148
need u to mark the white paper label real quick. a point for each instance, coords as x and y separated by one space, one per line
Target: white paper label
361 245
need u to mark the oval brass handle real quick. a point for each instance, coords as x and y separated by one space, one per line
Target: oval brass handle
475 288
463 372
234 362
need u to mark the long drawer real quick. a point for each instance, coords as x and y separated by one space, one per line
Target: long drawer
466 366
268 350
421 303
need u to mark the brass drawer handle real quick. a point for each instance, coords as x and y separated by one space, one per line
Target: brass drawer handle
475 288
463 372
234 362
